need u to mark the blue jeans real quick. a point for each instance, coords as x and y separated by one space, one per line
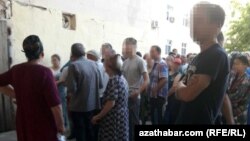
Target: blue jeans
62 94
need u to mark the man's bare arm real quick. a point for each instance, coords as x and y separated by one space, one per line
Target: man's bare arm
143 86
8 91
173 88
227 111
58 117
162 82
195 86
145 82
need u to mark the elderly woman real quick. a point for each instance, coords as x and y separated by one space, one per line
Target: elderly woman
113 118
38 115
239 89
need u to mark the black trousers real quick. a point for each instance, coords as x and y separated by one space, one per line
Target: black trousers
83 128
156 105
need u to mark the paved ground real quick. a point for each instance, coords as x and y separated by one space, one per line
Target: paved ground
10 136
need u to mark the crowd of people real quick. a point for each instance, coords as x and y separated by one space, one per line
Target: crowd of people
102 97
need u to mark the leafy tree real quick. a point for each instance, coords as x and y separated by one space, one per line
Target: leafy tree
238 35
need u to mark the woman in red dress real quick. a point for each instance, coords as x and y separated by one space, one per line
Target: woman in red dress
39 116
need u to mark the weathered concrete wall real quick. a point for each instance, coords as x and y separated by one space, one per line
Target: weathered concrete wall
7 113
97 21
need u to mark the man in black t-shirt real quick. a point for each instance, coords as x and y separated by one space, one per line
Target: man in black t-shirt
202 89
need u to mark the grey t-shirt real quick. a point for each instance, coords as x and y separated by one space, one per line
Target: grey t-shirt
133 70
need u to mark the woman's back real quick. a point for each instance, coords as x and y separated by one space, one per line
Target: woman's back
36 94
114 126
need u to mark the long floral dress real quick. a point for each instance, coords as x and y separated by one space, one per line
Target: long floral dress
115 125
239 94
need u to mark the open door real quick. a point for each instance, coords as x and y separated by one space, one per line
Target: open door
7 112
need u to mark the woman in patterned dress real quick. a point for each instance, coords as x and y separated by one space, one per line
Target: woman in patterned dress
113 118
239 89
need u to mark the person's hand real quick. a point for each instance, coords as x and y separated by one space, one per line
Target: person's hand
154 92
134 95
61 129
68 97
14 100
95 119
180 85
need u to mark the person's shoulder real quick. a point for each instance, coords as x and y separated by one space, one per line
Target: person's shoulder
79 62
31 66
213 53
73 63
162 63
18 66
118 80
92 63
139 59
125 61
218 50
114 79
43 69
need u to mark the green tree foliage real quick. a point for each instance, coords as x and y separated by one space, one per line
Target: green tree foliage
238 35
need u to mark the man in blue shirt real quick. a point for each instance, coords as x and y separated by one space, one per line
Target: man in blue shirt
158 85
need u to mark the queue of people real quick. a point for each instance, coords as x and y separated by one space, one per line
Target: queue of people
103 99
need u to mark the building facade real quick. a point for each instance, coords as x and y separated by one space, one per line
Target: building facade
60 23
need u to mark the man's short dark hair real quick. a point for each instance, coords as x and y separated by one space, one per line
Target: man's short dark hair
215 13
77 50
138 54
130 41
32 47
157 48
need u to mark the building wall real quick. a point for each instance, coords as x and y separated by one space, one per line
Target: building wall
7 112
96 22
